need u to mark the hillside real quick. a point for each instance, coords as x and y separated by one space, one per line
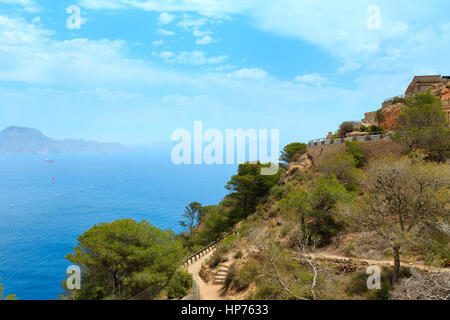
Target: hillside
336 213
21 140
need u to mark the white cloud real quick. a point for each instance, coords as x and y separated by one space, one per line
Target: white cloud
204 40
166 55
163 32
197 33
183 101
250 74
196 58
28 5
29 55
188 24
210 8
314 79
165 18
340 27
158 43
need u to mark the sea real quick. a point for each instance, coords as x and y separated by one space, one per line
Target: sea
47 201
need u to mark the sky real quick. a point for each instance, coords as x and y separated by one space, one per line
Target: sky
134 71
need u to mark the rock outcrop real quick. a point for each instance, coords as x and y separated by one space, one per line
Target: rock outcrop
303 163
391 114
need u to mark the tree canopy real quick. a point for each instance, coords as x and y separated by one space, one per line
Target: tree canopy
291 150
403 198
248 186
424 126
119 260
192 215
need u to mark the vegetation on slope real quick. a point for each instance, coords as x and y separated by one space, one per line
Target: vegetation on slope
394 207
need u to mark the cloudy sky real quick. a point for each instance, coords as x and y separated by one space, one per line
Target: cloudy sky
136 70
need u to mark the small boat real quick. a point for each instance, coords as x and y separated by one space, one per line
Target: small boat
48 160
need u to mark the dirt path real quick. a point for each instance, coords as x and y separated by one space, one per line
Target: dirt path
326 256
208 291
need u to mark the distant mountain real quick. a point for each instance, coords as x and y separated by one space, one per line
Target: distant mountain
20 140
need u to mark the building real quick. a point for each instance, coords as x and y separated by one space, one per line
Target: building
439 86
421 84
369 119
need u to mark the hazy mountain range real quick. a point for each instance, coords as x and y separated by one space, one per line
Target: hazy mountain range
21 140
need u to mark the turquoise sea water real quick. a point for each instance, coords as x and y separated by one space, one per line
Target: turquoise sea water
40 219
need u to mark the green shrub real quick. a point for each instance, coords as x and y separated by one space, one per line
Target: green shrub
353 148
230 276
358 284
267 291
222 249
375 129
347 127
363 129
179 285
238 254
398 100
245 276
279 192
343 166
349 248
214 260
327 192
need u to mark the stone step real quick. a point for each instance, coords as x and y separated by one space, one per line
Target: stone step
222 271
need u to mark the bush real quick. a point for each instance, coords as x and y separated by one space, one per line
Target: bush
238 254
214 224
375 129
423 110
353 148
358 284
323 227
425 126
327 192
214 260
398 100
279 192
347 127
230 277
179 285
222 249
343 166
349 249
245 276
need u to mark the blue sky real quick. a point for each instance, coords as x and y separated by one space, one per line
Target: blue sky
137 70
